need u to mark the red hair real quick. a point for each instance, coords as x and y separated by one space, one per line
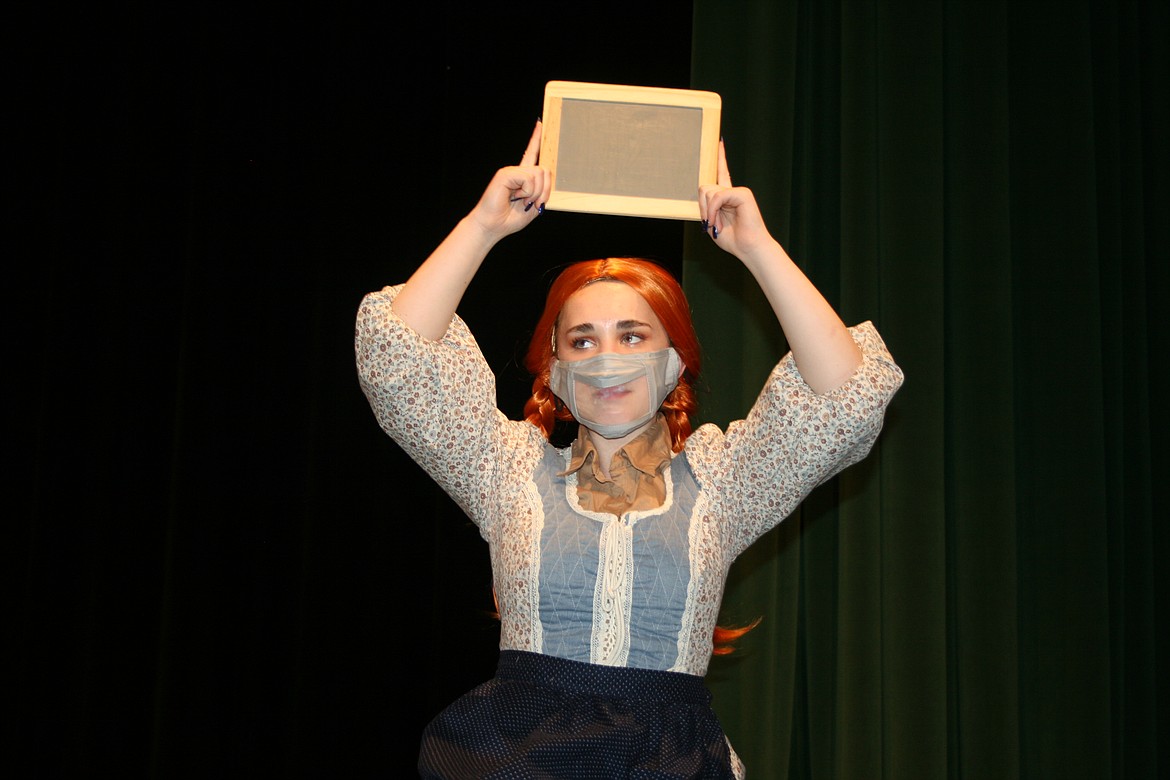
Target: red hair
723 639
666 298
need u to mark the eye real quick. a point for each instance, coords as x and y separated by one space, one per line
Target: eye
633 337
581 343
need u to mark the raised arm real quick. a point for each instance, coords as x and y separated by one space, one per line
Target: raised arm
514 197
821 345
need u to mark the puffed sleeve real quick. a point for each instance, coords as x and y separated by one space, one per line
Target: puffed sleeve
792 440
437 400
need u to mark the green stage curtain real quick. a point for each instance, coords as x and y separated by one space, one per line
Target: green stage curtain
985 596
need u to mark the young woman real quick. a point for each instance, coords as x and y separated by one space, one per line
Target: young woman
609 556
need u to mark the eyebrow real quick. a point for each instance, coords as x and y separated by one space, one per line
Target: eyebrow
589 327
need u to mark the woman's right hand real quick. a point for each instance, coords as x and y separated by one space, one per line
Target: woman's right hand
516 194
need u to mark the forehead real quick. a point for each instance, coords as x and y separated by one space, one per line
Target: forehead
605 302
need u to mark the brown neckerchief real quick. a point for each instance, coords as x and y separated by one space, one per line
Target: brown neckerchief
635 479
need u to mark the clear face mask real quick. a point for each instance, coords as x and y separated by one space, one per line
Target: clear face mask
570 378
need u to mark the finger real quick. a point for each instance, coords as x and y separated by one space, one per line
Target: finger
528 187
532 153
723 175
702 201
715 211
540 186
711 198
533 203
522 184
543 185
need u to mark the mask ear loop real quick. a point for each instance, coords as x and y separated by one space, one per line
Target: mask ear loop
674 369
669 378
558 404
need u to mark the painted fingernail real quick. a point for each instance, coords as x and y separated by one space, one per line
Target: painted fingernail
528 205
706 225
540 209
714 232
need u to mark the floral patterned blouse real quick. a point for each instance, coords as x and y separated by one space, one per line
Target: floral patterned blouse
641 589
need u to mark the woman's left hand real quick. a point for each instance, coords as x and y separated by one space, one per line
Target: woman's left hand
731 215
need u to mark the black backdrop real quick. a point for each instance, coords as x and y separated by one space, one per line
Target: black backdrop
221 566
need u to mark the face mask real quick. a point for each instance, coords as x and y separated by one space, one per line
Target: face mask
660 369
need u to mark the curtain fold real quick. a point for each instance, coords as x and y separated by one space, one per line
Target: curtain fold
986 181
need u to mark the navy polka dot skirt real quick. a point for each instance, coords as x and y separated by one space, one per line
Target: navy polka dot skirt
545 717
